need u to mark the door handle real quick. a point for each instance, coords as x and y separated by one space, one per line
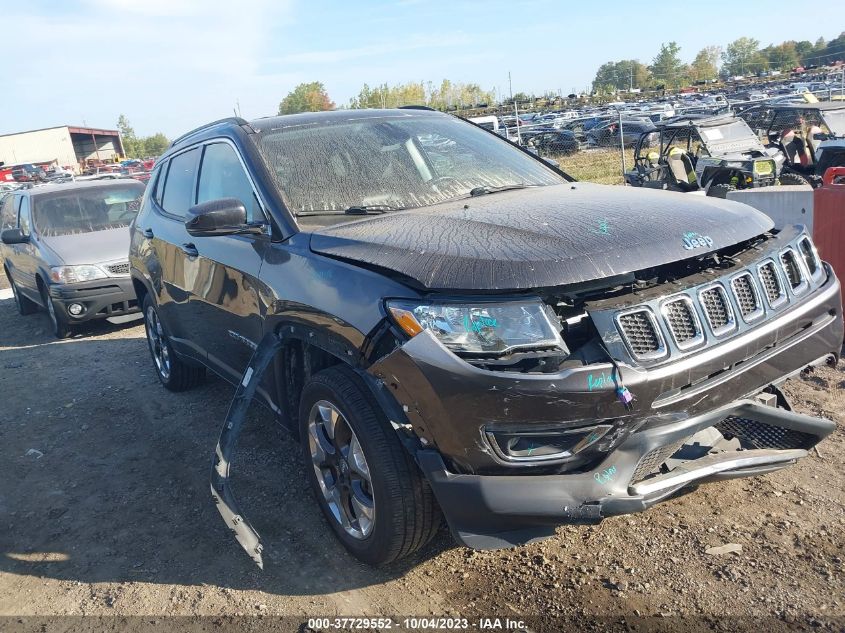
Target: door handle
190 250
148 233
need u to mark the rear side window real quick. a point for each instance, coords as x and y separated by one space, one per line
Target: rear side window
8 212
223 176
178 194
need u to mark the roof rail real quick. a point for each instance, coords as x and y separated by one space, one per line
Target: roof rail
232 119
416 107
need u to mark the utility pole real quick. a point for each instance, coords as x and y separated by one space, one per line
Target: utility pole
631 79
515 109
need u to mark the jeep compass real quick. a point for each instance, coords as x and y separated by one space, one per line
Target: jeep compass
459 330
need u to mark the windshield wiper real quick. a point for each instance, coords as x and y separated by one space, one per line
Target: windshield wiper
482 191
361 209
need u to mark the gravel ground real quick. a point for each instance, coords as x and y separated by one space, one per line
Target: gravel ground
105 511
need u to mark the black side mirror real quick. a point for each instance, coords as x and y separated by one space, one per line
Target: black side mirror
14 236
226 216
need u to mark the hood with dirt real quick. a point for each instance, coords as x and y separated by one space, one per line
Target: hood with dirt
541 237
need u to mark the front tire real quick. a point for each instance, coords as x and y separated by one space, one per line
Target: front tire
61 328
172 371
367 485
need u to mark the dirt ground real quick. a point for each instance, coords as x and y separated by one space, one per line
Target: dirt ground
105 510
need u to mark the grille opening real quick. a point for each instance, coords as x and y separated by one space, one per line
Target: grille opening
809 256
771 283
640 331
792 269
757 435
746 295
682 321
717 309
119 269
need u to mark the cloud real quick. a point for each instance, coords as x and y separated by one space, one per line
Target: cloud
166 64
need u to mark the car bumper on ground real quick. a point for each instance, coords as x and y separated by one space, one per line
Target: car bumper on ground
698 419
101 299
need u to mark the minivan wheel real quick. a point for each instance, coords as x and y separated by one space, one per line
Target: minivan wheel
172 371
25 306
60 326
367 485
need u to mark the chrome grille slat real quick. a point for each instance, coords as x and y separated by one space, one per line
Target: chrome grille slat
717 309
793 271
747 298
771 283
642 334
682 320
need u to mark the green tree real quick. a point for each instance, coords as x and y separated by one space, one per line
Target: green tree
132 146
306 97
621 75
667 67
742 57
706 64
155 145
782 57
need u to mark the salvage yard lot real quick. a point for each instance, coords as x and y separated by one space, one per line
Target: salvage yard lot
105 510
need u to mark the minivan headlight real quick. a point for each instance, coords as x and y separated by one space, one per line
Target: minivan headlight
482 328
76 274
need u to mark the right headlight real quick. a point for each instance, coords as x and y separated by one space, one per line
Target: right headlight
76 274
482 328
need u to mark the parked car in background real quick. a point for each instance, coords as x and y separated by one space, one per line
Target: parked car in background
451 325
608 134
27 172
555 142
64 247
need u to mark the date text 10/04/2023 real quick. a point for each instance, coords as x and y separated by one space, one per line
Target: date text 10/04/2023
417 623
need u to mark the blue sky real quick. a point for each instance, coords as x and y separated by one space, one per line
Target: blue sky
171 65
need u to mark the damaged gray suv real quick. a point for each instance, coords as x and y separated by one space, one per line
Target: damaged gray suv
454 328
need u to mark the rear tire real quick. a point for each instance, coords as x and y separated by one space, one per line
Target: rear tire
25 306
61 328
389 511
172 371
789 178
721 190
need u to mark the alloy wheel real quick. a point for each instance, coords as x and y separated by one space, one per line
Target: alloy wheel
341 469
158 343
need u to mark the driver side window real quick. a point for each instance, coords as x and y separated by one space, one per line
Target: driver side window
223 176
24 216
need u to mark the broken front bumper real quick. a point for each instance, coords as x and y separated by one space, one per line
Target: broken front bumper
703 397
744 438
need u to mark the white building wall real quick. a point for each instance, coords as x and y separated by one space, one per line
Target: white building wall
38 146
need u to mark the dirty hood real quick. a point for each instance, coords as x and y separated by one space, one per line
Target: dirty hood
541 237
94 247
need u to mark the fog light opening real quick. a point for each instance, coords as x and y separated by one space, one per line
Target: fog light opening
538 445
76 309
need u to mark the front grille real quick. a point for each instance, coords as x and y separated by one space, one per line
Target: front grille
794 275
683 322
650 464
118 269
640 331
771 284
717 309
753 434
746 296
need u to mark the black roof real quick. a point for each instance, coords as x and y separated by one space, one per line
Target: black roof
266 124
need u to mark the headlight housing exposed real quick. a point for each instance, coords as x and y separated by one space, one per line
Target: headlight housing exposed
482 328
76 274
